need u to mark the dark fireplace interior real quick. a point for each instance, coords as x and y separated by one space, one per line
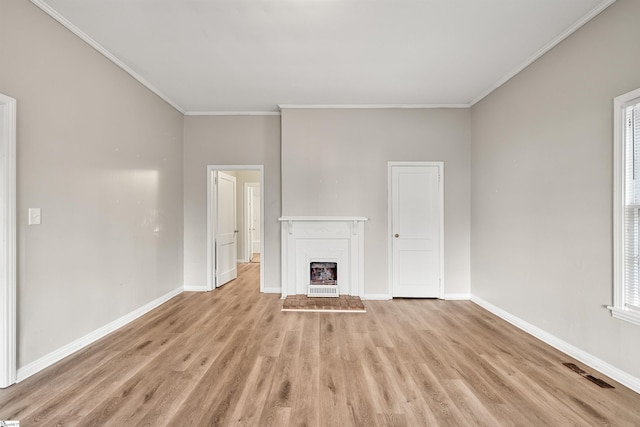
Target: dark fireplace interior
324 273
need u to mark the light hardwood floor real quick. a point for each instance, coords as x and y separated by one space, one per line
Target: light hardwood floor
231 357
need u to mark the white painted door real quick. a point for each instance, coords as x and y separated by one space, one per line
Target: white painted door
416 226
255 238
250 222
226 231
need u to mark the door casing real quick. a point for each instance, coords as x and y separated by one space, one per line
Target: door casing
8 286
249 188
210 219
440 166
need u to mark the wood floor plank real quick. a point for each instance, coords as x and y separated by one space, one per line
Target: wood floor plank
232 357
211 384
332 391
252 400
436 397
284 381
305 409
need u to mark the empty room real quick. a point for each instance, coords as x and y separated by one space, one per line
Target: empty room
206 215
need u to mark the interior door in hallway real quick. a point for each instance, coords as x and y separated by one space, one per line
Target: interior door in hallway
226 254
416 227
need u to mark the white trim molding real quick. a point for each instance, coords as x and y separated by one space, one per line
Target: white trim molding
376 297
619 310
59 354
625 314
104 51
546 48
609 370
232 113
457 297
369 106
8 286
195 288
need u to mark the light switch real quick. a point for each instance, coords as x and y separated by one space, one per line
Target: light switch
35 217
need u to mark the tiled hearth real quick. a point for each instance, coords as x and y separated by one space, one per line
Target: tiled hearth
344 303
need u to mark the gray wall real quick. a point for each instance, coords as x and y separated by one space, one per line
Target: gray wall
101 155
542 188
229 140
334 162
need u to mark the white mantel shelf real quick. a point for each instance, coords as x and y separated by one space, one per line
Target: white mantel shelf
323 218
324 239
335 219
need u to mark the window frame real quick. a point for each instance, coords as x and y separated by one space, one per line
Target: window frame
619 309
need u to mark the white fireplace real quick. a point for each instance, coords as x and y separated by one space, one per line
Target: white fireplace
322 239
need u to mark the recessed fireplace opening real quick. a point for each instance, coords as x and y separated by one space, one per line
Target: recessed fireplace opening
324 273
323 279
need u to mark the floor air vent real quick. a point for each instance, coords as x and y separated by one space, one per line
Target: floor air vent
596 381
323 291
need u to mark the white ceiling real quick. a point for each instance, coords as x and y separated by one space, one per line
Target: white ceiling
208 56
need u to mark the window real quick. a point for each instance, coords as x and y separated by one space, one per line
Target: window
626 211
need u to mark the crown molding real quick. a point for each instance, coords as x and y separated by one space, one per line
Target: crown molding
546 48
370 106
97 46
232 113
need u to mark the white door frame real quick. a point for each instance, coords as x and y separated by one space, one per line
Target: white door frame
8 290
248 249
210 211
440 166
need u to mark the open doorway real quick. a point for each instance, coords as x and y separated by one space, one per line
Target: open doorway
235 230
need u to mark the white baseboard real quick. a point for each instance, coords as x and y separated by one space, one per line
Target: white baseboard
59 354
384 297
194 288
272 291
458 297
609 370
376 297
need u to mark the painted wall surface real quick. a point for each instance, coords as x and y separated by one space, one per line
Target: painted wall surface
229 140
102 157
542 149
334 162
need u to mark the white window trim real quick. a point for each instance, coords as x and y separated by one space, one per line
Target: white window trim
618 310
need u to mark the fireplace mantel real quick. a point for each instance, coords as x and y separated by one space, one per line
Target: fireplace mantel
323 218
323 238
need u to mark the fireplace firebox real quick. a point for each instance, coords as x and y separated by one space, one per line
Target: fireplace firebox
324 273
323 279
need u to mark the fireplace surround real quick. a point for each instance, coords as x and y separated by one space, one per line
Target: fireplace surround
322 239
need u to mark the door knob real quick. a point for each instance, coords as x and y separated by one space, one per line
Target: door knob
397 235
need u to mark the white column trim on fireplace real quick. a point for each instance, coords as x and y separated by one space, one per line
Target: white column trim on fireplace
322 237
